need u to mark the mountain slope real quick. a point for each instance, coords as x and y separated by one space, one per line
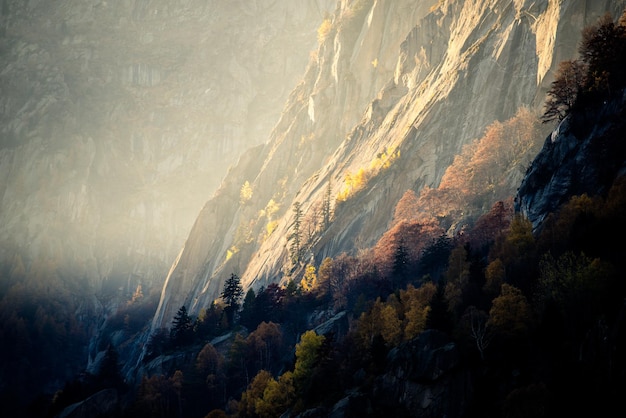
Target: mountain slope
575 160
119 119
457 67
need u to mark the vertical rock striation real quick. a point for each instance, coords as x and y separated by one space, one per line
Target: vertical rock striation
394 92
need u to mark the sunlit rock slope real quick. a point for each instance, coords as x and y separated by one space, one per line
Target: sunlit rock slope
394 91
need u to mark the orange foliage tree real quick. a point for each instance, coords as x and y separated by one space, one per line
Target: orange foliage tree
487 170
413 236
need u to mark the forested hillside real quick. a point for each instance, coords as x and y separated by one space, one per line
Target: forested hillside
483 296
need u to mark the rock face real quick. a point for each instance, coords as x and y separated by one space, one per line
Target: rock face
422 379
393 93
575 160
119 119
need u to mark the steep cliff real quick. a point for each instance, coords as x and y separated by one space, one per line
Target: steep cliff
119 119
393 93
577 158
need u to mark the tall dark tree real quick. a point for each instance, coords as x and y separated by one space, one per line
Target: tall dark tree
400 269
208 322
433 260
439 316
182 327
602 47
564 90
158 343
108 373
232 294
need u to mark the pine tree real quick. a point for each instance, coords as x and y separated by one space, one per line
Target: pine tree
108 370
231 294
294 237
182 327
400 264
248 310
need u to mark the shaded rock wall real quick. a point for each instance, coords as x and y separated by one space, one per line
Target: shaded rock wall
577 158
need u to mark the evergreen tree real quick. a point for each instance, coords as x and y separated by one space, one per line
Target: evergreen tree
207 324
439 315
248 310
108 373
231 294
400 265
182 327
296 249
602 47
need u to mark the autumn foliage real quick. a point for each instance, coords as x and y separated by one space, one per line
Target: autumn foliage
483 173
598 73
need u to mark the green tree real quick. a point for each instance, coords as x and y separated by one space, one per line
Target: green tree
248 316
578 285
231 294
182 327
309 281
603 47
400 266
246 407
495 275
295 237
307 355
108 371
510 313
518 251
416 306
245 194
381 320
208 323
277 397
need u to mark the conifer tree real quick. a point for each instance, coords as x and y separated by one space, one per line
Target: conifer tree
248 316
108 370
231 294
294 237
182 327
400 264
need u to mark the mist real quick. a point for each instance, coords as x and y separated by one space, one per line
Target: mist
119 121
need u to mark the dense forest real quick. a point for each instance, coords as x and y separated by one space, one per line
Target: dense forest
536 317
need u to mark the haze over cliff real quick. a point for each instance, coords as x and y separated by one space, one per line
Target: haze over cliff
119 120
394 92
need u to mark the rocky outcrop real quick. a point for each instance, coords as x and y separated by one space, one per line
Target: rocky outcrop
393 93
422 379
583 155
